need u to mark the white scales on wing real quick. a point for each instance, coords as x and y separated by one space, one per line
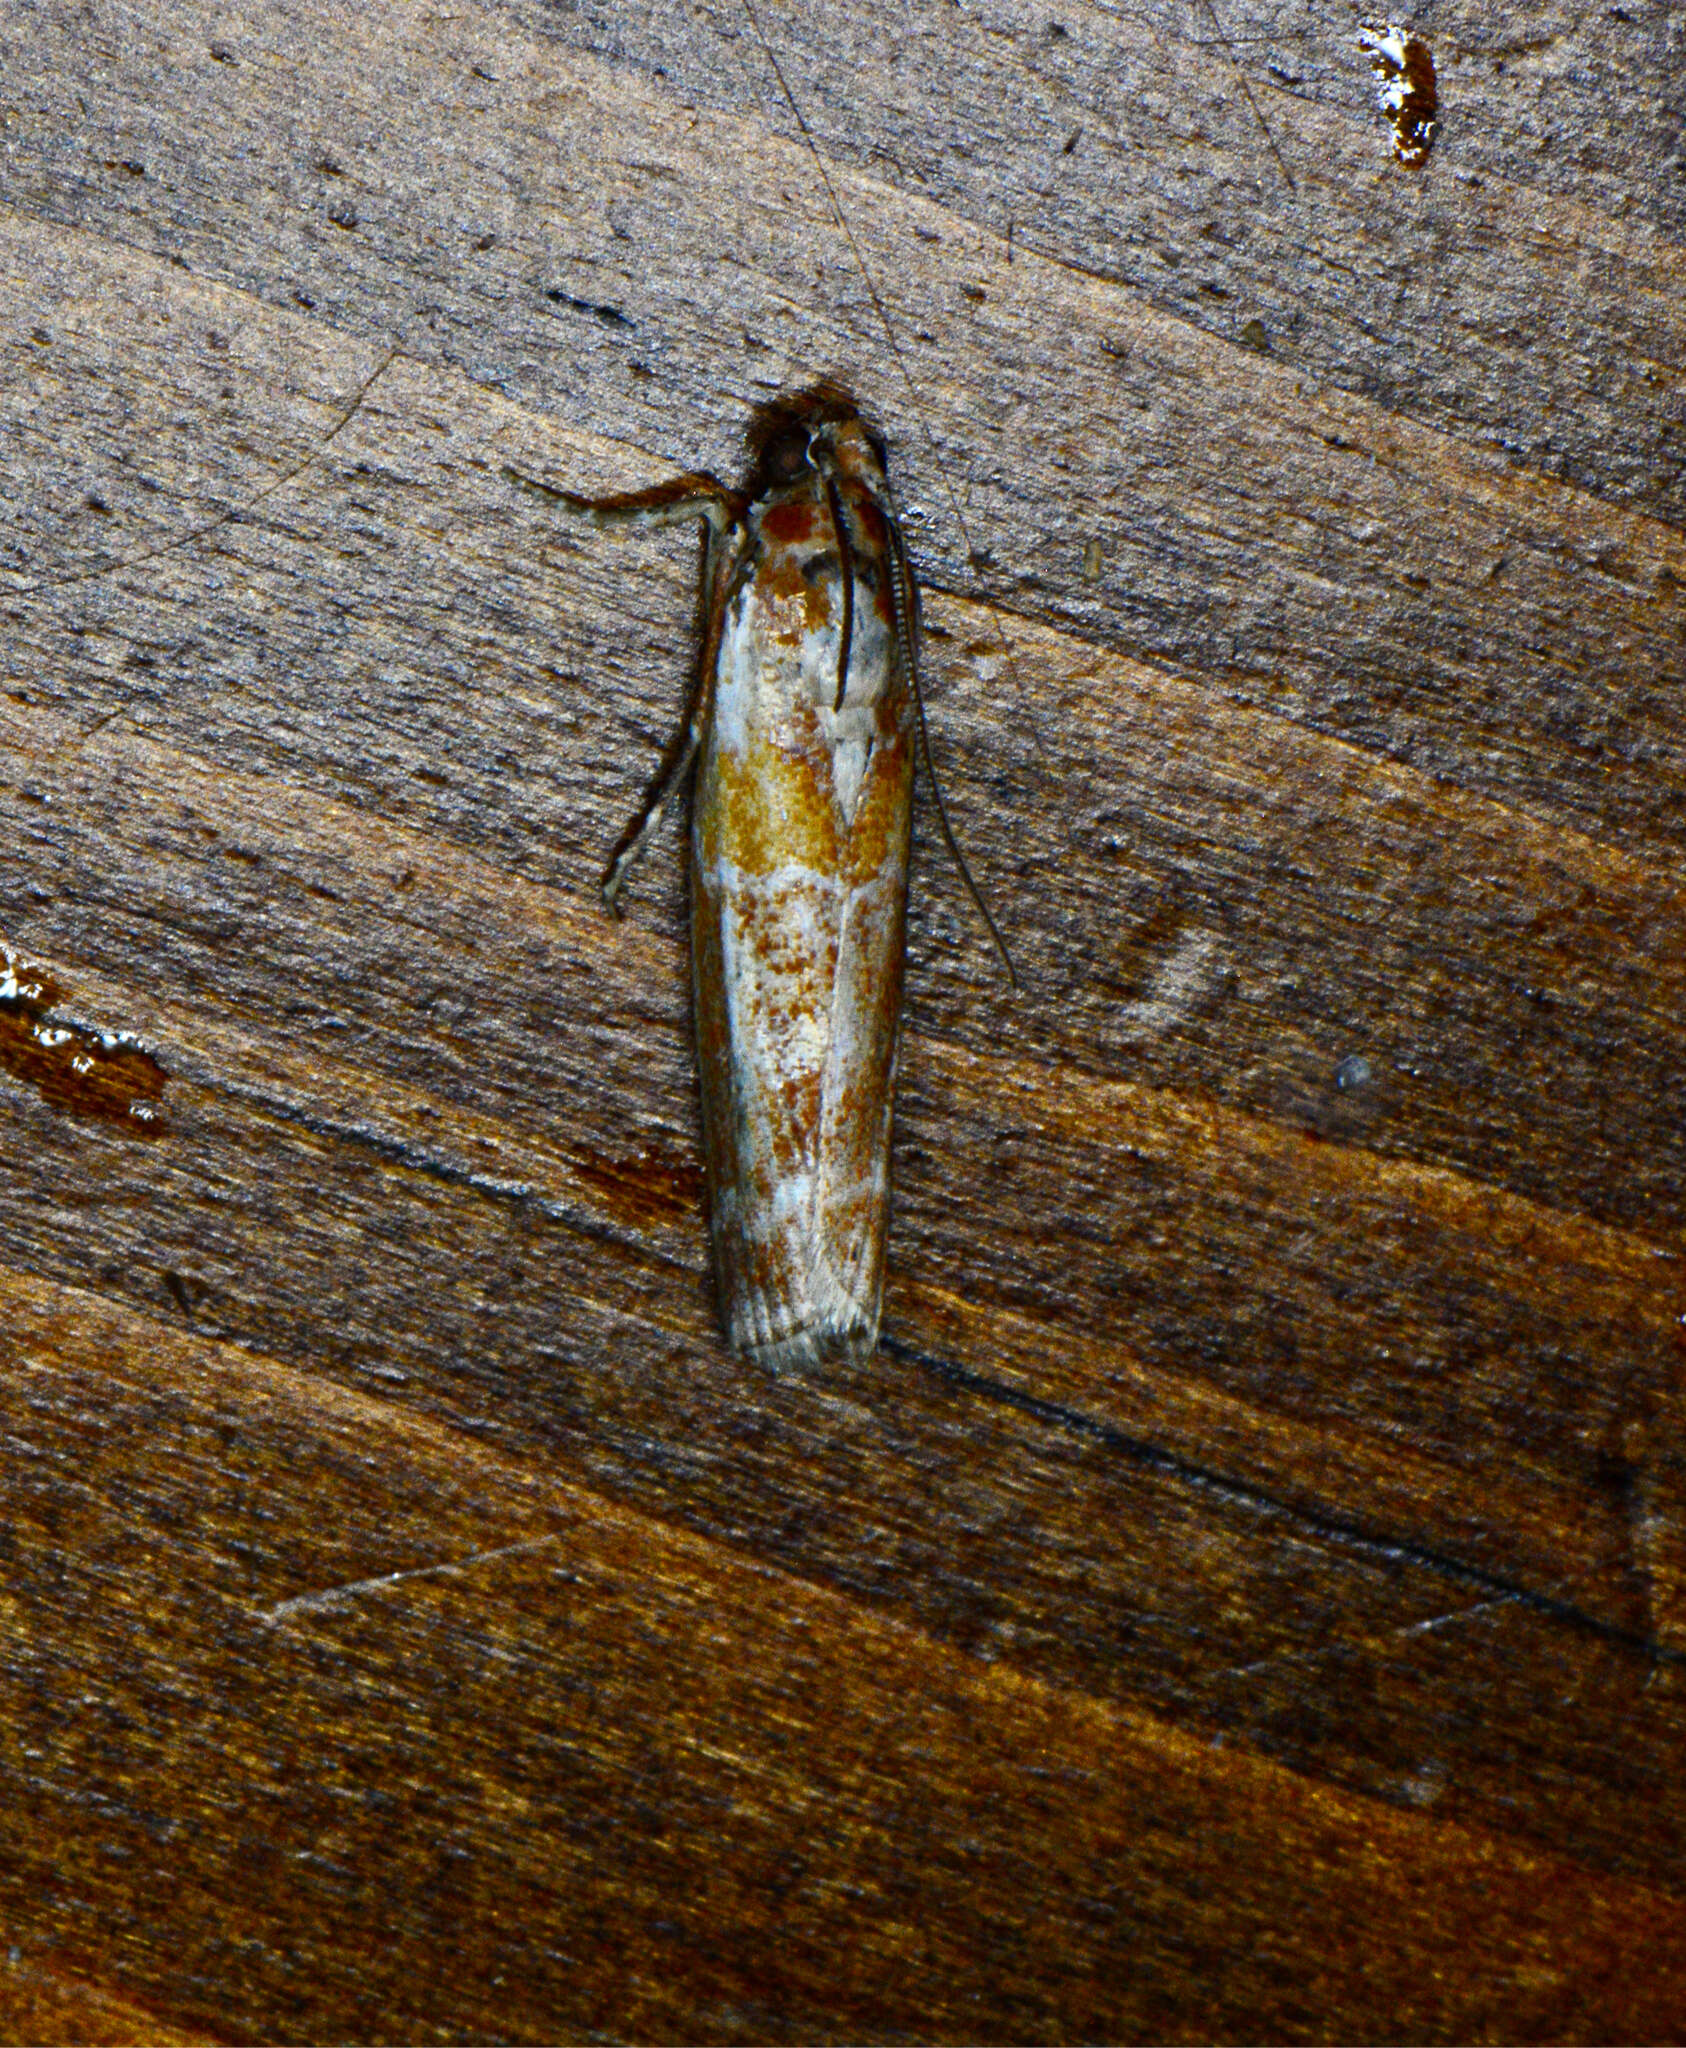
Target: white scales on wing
750 689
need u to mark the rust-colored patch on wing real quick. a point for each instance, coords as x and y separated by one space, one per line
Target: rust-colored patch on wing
796 604
105 1075
774 807
791 524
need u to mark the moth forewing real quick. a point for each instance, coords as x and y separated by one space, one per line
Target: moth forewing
802 734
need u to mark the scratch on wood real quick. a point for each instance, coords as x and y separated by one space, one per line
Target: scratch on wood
332 1597
1432 1625
196 533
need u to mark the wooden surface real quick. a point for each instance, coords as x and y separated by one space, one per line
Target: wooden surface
1247 1595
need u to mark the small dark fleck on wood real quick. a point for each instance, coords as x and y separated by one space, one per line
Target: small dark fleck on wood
611 316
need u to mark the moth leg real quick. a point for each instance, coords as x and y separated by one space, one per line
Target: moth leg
676 765
667 504
697 496
680 754
846 571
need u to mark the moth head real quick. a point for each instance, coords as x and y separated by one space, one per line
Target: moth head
818 431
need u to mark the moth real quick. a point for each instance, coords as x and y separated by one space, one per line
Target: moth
801 734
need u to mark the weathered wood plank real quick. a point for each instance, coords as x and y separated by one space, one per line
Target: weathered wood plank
398 1201
1519 294
1315 553
429 1743
1283 1338
43 2007
1139 807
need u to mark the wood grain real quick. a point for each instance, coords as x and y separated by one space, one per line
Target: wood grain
1244 1598
762 1812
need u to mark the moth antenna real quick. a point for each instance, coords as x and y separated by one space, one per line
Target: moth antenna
846 564
275 484
1241 79
901 606
838 215
903 576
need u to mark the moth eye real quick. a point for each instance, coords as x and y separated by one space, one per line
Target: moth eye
789 456
817 566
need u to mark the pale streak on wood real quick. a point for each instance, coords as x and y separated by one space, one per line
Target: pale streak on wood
331 1598
944 1724
84 1331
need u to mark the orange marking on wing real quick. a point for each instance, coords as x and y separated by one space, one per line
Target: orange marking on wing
789 524
775 807
795 605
